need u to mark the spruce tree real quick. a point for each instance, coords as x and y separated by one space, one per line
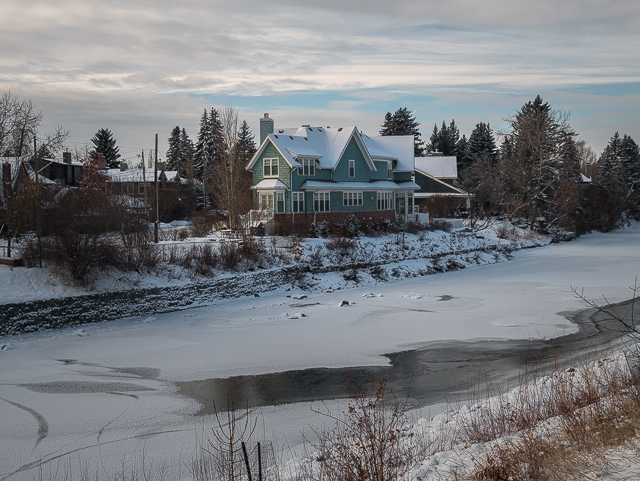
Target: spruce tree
630 158
201 154
463 156
444 140
246 142
186 153
403 122
105 145
174 150
482 141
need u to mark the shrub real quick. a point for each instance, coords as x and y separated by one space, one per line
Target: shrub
369 441
350 227
320 231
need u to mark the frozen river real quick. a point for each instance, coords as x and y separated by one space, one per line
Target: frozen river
110 391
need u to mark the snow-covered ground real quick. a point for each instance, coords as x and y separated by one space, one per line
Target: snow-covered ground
104 392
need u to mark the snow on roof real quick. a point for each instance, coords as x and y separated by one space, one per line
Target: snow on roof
377 185
440 167
131 175
328 145
272 184
392 147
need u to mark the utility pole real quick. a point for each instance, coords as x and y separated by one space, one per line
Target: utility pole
38 226
155 230
144 181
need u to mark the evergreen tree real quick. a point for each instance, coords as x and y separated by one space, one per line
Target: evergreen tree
464 158
246 142
203 142
482 141
630 158
186 153
444 140
611 171
403 122
105 145
174 150
539 158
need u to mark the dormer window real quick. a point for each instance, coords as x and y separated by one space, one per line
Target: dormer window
270 167
308 167
390 170
352 168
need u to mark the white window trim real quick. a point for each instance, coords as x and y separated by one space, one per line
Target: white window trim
309 165
352 199
272 161
297 198
387 197
326 197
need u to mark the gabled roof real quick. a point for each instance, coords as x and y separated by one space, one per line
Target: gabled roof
327 146
392 147
439 167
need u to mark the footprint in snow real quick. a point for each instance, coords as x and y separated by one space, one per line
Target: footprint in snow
81 333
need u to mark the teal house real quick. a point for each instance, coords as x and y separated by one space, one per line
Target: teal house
310 174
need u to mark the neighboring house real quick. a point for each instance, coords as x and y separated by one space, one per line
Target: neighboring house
438 195
14 174
134 182
64 172
312 174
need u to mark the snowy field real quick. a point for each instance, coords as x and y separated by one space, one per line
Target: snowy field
105 392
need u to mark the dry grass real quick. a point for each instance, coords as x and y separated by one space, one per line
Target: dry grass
559 428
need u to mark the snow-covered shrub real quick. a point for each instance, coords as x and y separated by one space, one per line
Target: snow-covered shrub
320 231
350 227
379 273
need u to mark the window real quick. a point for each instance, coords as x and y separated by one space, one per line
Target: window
385 200
127 188
321 201
270 167
352 198
352 168
390 170
266 201
280 202
308 167
297 199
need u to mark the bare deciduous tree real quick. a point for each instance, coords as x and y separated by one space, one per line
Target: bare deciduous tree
231 181
20 123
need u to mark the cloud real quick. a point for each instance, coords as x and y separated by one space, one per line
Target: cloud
154 62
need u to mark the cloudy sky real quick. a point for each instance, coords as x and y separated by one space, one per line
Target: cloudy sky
141 67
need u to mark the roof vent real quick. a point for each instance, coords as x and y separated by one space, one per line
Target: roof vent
319 129
308 125
281 131
291 137
340 129
306 139
266 115
276 136
328 127
310 129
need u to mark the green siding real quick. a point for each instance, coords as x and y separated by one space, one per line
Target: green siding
298 180
402 176
341 172
271 152
381 174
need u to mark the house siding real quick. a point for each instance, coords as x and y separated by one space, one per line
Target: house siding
382 173
271 152
341 171
402 176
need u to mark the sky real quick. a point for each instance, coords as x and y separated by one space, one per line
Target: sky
143 67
